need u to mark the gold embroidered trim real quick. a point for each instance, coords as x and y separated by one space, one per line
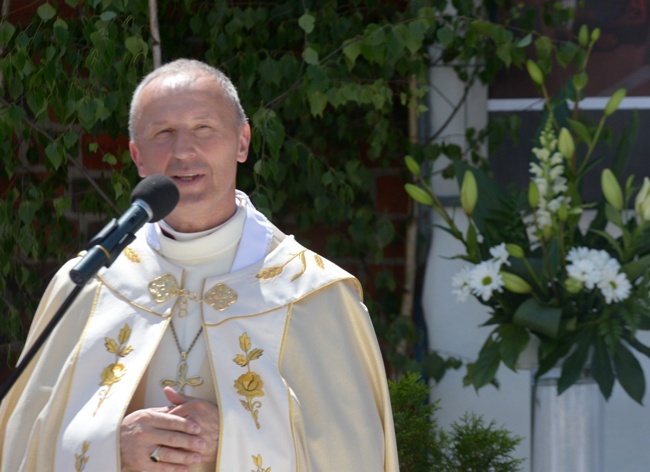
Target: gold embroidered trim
220 297
80 460
274 271
132 255
249 385
257 460
166 287
114 372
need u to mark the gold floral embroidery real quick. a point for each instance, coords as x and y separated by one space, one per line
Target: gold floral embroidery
220 297
114 372
257 460
274 271
132 255
80 460
250 384
166 287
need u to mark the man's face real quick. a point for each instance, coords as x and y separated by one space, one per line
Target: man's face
185 129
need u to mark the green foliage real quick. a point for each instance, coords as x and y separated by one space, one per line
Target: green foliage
424 446
584 318
328 89
61 78
419 441
476 446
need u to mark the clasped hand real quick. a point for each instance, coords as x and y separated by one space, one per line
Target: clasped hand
186 433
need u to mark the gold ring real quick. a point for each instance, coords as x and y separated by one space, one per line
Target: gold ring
155 455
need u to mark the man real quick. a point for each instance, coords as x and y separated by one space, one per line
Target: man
214 342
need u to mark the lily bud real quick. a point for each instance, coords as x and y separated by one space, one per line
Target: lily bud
412 165
614 101
419 194
611 189
468 193
642 201
573 285
515 284
515 250
595 35
583 35
565 143
535 72
533 195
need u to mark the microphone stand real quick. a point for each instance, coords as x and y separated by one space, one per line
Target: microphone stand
96 257
33 350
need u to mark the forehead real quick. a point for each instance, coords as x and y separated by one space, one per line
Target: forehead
173 96
182 83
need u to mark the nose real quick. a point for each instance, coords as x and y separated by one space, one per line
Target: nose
183 145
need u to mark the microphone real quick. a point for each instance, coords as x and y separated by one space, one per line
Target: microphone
151 200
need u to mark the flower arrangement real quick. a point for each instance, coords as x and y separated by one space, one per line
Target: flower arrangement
547 264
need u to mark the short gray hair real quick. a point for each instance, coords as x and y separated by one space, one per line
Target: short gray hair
183 66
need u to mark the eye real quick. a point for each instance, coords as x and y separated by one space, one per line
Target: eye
202 130
163 133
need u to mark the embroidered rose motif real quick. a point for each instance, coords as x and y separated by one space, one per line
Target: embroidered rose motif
113 373
249 385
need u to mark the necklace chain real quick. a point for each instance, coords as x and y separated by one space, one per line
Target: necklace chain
182 380
178 344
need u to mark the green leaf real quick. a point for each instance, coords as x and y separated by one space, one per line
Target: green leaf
580 80
601 368
132 44
574 365
46 12
629 373
487 364
352 49
445 36
525 41
27 210
317 103
272 130
53 155
581 130
61 205
637 268
310 55
543 319
6 32
15 114
307 22
107 15
483 27
514 340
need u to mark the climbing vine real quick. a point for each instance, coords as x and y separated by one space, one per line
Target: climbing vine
329 87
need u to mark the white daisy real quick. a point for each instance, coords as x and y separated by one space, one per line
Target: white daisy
500 254
460 284
614 286
485 279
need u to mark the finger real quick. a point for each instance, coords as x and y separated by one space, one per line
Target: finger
174 397
174 423
170 455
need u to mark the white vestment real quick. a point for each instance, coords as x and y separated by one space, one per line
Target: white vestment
287 352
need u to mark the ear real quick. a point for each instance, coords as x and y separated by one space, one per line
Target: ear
137 160
244 143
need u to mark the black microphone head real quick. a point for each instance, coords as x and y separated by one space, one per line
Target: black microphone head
159 192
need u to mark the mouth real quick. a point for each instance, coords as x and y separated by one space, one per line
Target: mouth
186 177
